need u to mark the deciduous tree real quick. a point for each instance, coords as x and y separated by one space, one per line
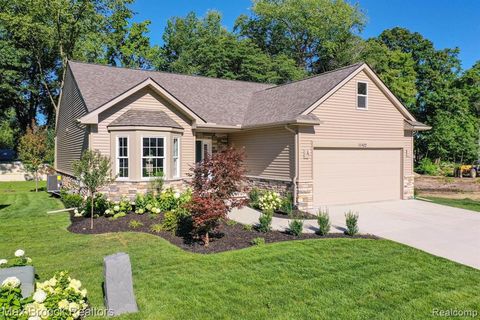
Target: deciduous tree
32 150
94 172
216 182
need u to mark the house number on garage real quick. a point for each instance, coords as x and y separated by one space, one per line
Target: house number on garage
362 145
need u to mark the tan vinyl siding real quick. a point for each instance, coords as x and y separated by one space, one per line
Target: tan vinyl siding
381 125
72 137
145 99
270 152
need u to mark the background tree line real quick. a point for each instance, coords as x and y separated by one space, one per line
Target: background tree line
279 41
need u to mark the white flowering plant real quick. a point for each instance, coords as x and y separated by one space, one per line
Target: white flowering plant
19 260
59 298
269 201
120 208
11 301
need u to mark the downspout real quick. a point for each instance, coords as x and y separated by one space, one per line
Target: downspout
295 132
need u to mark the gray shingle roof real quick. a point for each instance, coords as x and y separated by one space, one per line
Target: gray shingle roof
219 101
288 101
147 118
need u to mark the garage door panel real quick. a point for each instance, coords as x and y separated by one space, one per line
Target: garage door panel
356 175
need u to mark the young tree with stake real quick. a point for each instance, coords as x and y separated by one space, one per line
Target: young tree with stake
94 171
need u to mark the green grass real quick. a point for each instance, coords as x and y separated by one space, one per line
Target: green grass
466 203
314 279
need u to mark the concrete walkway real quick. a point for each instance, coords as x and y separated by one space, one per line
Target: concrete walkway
444 231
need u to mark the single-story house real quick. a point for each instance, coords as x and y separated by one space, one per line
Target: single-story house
336 138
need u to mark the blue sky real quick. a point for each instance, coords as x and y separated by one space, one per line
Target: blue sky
448 23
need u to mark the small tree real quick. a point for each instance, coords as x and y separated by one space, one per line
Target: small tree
94 171
215 182
32 150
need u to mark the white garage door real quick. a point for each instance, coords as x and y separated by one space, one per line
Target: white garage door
343 176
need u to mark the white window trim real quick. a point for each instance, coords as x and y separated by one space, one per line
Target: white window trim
117 171
165 167
361 95
178 167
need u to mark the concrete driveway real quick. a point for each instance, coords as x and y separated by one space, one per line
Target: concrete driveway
444 231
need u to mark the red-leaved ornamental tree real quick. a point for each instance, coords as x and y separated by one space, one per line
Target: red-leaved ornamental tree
216 182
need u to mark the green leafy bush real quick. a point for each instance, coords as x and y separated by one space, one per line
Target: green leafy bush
100 205
323 220
426 166
254 196
247 227
295 227
230 222
71 200
287 204
265 222
269 201
173 219
258 241
351 220
124 206
135 224
168 200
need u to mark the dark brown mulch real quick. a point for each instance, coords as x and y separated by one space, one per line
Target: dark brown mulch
229 236
298 214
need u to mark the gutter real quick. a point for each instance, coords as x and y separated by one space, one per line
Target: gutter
295 132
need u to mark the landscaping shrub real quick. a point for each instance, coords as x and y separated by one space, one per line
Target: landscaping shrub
287 204
215 182
323 220
230 222
71 200
247 227
135 224
269 201
254 196
295 227
426 166
168 200
100 205
119 208
258 241
156 183
351 220
157 228
265 222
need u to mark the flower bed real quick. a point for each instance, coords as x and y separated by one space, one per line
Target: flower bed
228 236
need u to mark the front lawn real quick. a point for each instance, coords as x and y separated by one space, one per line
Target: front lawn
329 279
466 203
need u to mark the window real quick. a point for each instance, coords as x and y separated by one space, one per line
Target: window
122 157
176 157
362 91
153 156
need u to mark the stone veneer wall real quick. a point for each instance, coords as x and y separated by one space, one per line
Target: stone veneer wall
218 139
281 187
118 189
408 187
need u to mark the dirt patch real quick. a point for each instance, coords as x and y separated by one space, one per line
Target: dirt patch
229 236
447 187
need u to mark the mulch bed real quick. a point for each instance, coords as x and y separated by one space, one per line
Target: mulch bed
295 214
229 236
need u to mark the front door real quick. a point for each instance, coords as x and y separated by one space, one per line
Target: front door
203 147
